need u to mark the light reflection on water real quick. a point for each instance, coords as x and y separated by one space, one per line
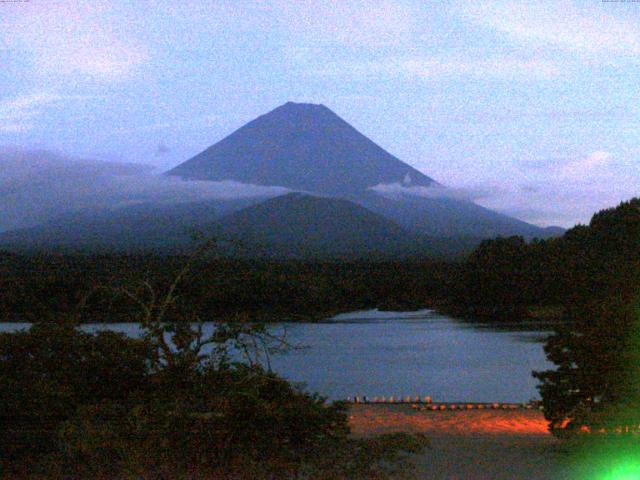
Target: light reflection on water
403 353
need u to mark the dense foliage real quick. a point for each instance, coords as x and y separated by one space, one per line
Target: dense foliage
508 274
175 403
50 371
102 404
33 288
505 276
590 279
596 383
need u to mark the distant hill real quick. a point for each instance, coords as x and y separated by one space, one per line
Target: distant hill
448 217
146 226
304 147
553 231
289 226
299 225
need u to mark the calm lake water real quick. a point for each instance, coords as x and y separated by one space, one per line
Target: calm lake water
405 353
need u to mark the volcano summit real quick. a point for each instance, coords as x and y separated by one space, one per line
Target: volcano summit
303 147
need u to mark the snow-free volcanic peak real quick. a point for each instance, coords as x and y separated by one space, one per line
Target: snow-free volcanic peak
301 146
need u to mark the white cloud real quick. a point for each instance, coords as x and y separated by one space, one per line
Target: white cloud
585 166
355 23
501 67
447 67
199 121
71 38
397 189
566 191
593 29
20 114
108 60
38 185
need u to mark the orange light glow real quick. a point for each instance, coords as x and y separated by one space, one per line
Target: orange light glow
373 420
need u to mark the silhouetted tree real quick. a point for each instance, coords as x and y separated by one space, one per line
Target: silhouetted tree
596 383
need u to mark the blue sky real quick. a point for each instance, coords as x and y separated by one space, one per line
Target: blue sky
530 107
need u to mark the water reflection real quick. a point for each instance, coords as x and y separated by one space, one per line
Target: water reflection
404 353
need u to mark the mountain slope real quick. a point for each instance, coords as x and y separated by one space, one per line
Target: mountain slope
304 147
448 217
387 208
131 228
302 225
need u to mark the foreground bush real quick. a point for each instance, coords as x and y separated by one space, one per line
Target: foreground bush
80 405
50 371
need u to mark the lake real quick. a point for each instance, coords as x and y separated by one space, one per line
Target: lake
405 353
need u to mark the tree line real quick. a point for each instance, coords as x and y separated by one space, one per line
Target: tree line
41 286
592 274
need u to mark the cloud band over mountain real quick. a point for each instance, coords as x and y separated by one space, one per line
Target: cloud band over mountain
36 186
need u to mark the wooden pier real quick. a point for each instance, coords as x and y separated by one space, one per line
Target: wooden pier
425 403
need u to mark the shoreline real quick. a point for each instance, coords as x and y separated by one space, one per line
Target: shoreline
378 418
471 444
